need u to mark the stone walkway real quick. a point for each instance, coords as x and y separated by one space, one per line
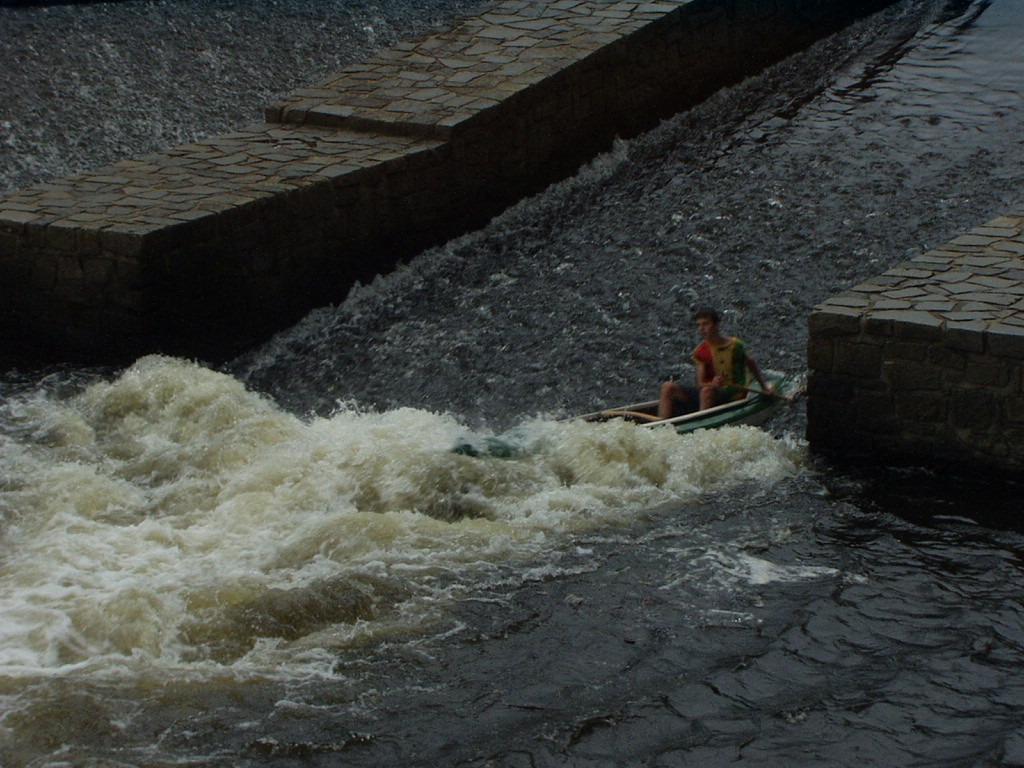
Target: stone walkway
416 90
435 85
195 181
925 363
971 290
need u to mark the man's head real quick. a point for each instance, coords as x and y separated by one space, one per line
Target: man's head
707 321
707 312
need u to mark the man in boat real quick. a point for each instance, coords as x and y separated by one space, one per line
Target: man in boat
723 370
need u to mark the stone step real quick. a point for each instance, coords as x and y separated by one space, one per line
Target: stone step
204 248
925 362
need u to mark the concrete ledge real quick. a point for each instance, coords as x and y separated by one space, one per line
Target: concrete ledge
203 248
205 241
926 361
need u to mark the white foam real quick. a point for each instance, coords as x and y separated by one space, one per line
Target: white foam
737 567
150 518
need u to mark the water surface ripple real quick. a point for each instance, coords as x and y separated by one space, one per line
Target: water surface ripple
280 563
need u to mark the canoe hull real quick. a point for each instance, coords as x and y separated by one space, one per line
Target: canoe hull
754 410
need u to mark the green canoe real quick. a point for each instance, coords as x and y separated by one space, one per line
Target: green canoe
754 409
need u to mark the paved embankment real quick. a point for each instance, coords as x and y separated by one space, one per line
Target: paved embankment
207 245
926 361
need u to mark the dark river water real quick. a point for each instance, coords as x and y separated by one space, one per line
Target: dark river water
279 562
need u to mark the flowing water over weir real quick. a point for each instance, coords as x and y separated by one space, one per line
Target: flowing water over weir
282 563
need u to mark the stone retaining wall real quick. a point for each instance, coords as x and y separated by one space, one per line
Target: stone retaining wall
204 247
926 362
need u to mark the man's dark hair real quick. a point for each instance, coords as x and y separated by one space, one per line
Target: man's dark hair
707 312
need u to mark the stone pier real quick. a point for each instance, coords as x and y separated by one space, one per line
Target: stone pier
925 363
202 248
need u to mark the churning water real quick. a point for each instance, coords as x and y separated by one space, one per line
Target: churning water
281 561
172 522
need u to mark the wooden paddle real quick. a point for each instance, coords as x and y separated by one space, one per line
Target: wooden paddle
634 415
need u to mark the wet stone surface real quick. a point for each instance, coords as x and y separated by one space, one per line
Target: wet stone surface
977 277
433 85
114 94
249 229
926 360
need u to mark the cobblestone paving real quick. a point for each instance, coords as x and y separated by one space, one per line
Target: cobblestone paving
437 84
971 286
196 180
926 360
394 101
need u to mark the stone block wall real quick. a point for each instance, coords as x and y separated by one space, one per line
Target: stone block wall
208 242
203 248
925 362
